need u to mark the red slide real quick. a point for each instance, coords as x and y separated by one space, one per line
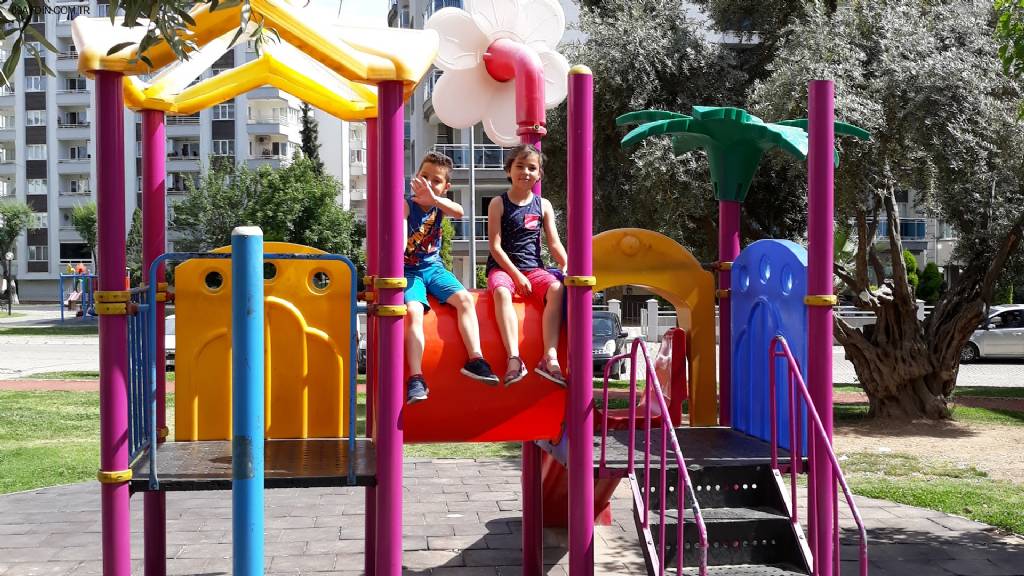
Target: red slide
464 410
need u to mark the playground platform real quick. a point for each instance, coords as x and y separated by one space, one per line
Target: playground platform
461 518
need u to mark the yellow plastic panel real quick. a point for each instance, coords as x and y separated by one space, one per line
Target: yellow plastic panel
375 55
648 259
307 341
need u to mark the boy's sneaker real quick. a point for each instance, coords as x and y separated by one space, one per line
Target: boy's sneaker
479 369
417 390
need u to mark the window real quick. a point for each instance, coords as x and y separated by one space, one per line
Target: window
225 111
30 46
38 17
75 119
35 118
39 253
39 220
357 156
35 152
1010 319
74 84
223 147
37 186
6 188
35 83
78 152
78 186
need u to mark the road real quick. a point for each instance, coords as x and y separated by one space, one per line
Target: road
21 356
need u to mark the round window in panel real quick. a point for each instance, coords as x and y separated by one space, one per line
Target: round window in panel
269 271
213 280
320 281
744 278
786 279
766 269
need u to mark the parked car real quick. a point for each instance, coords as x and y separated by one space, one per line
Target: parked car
1000 335
169 342
361 354
609 340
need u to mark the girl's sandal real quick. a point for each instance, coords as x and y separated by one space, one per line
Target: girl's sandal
515 375
549 369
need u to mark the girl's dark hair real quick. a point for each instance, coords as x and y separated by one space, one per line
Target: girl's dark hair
520 151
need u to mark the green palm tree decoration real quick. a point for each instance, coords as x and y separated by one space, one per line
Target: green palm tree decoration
734 140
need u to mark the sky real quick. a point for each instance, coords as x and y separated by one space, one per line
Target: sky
356 12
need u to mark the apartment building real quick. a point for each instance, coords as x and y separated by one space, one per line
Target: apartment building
47 137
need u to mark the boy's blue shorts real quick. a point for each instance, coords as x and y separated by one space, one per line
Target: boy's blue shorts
434 280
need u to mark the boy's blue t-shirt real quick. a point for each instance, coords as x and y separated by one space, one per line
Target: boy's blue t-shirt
423 246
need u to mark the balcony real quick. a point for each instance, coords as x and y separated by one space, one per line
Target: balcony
357 194
910 229
432 79
265 125
461 226
7 91
435 5
75 192
485 156
183 120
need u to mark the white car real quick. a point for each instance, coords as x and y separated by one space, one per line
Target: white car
169 342
1001 335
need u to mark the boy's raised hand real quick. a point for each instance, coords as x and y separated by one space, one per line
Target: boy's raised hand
422 191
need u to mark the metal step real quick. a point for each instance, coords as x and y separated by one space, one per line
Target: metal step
744 570
735 536
721 487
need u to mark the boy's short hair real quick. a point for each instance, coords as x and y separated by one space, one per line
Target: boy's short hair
520 151
438 159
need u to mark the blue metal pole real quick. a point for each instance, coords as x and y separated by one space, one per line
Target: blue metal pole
247 399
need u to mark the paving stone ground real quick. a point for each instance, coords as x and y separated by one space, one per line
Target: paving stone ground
461 518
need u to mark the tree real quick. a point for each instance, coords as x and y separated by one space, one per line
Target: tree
14 219
910 263
292 204
133 250
930 287
447 234
83 218
645 54
310 138
924 79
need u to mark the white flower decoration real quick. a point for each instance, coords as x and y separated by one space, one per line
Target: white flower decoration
466 93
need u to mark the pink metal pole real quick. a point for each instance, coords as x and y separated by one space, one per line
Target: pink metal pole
390 230
154 242
821 115
580 138
372 241
533 492
110 225
728 250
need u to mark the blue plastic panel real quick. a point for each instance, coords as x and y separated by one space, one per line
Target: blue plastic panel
769 282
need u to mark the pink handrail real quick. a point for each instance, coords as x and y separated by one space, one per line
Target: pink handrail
653 388
819 429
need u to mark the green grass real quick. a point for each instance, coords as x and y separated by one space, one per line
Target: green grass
965 491
78 330
47 438
75 375
3 313
962 391
859 412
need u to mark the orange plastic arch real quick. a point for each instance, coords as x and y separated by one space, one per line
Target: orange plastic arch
463 410
654 261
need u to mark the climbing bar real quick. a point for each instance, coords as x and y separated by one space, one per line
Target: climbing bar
722 265
723 293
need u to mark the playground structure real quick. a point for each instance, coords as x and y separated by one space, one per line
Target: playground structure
272 385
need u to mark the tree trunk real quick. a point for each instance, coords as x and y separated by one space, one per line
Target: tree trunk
908 367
